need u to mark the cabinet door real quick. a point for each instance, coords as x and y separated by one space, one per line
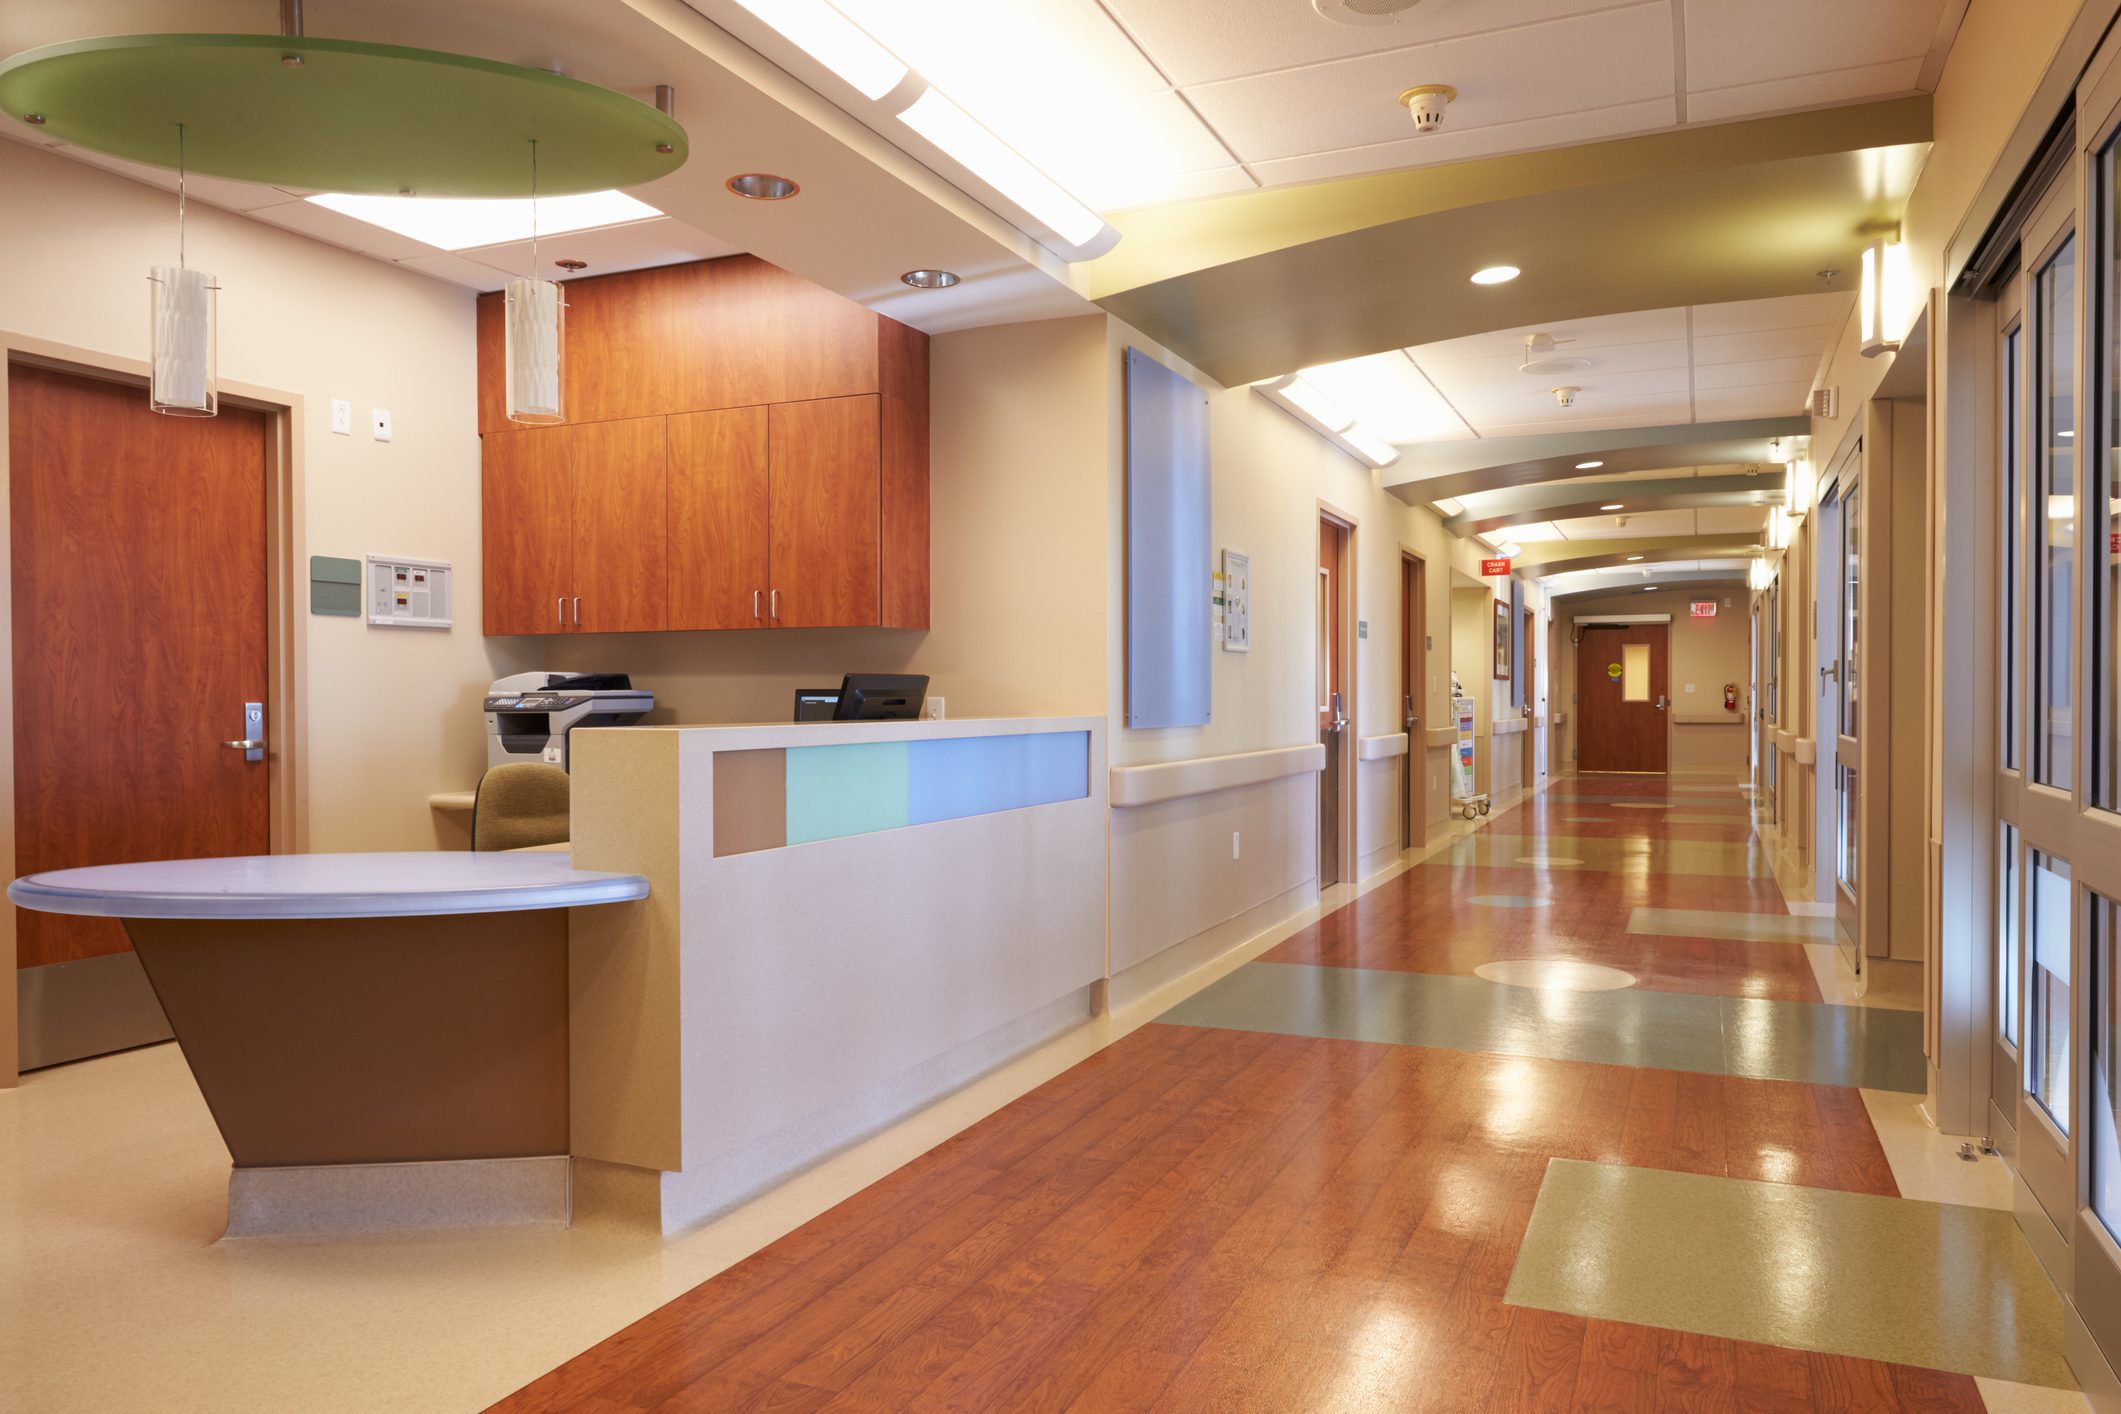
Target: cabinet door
824 458
526 530
718 519
621 526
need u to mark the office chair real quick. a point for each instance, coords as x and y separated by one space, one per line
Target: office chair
518 806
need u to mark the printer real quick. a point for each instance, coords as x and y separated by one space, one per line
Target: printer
529 715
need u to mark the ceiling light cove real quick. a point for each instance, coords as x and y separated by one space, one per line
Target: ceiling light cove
466 223
1613 506
835 41
1496 275
1303 401
999 165
1589 466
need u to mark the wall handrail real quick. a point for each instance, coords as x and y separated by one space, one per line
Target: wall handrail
1160 781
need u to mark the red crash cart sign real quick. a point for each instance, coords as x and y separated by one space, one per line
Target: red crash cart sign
1488 567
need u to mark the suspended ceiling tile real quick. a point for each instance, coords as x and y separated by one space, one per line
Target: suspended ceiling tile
1459 145
1729 43
1640 524
1535 532
1390 397
1612 331
1186 186
1196 41
335 228
1753 373
1787 312
1508 76
1733 404
1764 343
1803 91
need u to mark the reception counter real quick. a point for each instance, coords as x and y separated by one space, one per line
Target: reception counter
845 921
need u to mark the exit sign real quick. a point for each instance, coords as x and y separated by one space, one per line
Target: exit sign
1494 567
1702 608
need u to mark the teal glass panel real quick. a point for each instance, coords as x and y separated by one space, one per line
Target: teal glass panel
854 789
978 775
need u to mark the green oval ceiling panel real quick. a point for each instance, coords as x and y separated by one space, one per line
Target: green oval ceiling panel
351 117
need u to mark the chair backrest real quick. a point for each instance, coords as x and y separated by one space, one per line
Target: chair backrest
521 804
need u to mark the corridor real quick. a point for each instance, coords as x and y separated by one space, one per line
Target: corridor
1556 1117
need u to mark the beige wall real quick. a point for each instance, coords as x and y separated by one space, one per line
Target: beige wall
1018 512
392 715
1706 654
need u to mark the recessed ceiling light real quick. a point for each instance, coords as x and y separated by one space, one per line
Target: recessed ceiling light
1589 466
930 279
1612 506
465 223
1633 558
1496 275
762 186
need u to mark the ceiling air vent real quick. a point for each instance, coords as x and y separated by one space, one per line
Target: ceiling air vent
1826 403
1364 12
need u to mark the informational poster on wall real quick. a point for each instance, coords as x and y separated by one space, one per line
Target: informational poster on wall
1462 749
1233 603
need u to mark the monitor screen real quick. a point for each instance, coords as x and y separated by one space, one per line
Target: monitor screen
816 704
881 697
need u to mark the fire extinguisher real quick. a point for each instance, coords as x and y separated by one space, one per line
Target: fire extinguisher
1730 697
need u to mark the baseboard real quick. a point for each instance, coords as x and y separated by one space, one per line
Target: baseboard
355 1198
70 1011
2102 1385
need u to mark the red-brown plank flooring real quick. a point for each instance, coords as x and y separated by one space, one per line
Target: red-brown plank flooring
1198 1219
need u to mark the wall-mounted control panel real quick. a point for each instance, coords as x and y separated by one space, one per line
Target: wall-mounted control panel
405 593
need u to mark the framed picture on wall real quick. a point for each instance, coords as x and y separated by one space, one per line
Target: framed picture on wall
1502 638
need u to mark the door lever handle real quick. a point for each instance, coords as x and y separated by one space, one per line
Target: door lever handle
247 744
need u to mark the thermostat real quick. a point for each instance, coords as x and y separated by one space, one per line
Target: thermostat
405 593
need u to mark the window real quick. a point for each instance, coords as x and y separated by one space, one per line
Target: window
2009 955
2013 429
1847 830
2055 512
1634 672
2047 1025
2106 1063
2103 472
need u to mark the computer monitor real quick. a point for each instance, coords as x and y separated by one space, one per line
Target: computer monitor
881 697
816 704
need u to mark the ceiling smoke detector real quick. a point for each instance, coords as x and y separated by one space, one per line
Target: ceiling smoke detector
1425 104
1364 12
1565 396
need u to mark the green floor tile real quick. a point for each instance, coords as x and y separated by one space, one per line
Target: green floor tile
1937 1285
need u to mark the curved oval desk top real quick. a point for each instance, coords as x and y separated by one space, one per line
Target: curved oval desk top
324 886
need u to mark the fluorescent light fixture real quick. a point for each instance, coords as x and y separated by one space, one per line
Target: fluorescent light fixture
1613 506
1887 293
1369 446
1000 166
1392 397
1315 407
1589 466
1633 558
1451 506
835 41
466 223
1496 275
1509 549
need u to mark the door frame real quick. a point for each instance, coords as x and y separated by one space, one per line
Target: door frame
1414 683
1346 855
286 628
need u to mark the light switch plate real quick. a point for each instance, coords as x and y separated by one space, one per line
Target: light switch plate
342 417
381 423
935 709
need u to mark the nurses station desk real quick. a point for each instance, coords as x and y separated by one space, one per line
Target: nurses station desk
769 942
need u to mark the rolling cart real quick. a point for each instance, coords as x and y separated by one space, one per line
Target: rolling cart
1465 799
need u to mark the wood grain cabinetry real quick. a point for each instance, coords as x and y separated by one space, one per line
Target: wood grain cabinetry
572 528
739 440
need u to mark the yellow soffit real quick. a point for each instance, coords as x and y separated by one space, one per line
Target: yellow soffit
1555 556
1160 242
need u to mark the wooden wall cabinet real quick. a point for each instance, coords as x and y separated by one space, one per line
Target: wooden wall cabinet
743 450
572 528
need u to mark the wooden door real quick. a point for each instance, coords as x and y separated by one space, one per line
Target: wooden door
526 530
621 527
1414 690
824 458
1623 681
719 530
1332 703
139 592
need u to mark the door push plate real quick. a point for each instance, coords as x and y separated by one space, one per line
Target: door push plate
254 730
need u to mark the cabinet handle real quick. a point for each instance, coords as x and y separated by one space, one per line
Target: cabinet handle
776 604
559 611
754 604
578 611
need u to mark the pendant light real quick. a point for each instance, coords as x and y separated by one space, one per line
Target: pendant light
535 320
181 328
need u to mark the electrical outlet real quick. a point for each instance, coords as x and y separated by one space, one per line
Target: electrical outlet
342 417
934 709
381 423
1235 837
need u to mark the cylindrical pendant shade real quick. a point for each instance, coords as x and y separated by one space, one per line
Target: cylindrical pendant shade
535 320
181 340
